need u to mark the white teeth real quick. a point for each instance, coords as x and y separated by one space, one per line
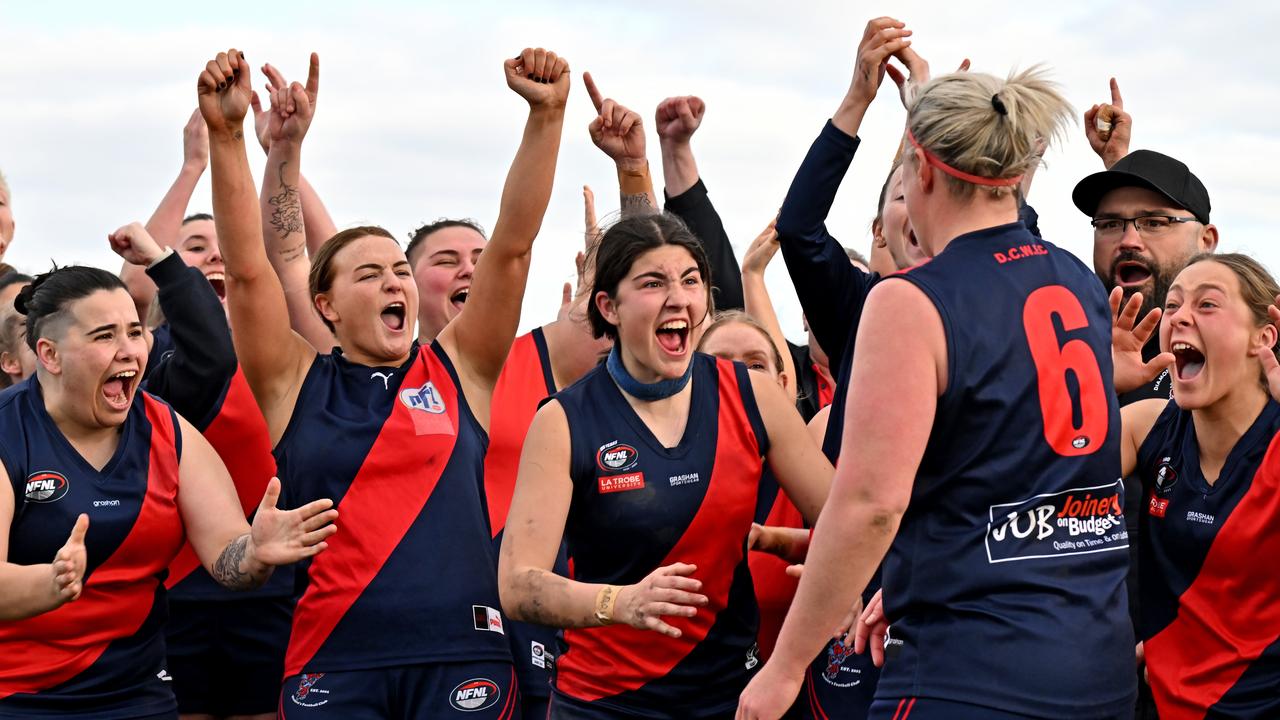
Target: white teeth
1181 346
215 276
673 325
395 305
124 374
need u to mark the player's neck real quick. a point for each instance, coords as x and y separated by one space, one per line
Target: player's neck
1221 425
95 443
958 218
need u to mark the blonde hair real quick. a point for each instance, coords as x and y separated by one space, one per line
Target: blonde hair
4 184
985 126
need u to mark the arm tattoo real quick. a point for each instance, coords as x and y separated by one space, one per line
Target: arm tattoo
287 216
227 571
638 204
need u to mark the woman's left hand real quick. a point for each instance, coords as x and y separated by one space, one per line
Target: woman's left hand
281 537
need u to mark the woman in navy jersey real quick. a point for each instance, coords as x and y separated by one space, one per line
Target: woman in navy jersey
403 619
970 447
1211 482
648 468
103 482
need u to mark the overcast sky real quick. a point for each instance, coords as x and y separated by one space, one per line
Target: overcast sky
415 121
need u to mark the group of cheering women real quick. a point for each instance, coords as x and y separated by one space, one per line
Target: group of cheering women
607 516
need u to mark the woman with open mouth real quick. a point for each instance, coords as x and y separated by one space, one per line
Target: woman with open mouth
102 484
396 431
1207 458
649 468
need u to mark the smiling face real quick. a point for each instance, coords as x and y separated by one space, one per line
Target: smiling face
198 246
894 227
371 301
1140 263
1213 335
95 353
658 309
443 268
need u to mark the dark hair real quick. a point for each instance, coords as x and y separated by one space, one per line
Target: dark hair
417 237
46 299
13 277
623 243
196 216
321 278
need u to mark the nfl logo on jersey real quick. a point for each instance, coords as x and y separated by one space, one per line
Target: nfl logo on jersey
425 398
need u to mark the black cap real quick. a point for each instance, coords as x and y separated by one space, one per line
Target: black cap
1151 170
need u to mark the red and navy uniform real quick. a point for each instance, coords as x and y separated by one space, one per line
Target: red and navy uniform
775 589
217 638
409 579
526 381
1005 585
638 506
1210 620
102 655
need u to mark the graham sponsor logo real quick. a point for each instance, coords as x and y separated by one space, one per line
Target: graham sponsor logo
46 486
307 694
487 619
1020 252
621 483
106 503
475 694
685 479
425 398
616 457
1199 517
1069 522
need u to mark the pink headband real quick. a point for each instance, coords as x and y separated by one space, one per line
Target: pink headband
975 179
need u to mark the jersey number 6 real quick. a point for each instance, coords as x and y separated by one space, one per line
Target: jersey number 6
1052 365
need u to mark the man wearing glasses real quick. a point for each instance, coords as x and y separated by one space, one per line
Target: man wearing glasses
1150 215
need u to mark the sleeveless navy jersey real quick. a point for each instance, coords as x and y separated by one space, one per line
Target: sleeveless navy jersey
1210 617
101 655
1005 584
638 506
526 381
409 577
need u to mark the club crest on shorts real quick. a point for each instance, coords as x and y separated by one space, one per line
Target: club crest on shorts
307 694
475 694
425 398
837 654
46 486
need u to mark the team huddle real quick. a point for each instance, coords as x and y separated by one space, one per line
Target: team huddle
273 468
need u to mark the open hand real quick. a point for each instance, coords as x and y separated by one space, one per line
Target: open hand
70 562
668 591
133 243
616 130
293 106
539 76
1127 341
224 91
281 537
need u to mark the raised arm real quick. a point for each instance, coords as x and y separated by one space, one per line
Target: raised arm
803 472
758 305
283 212
194 376
532 592
481 335
274 358
1109 128
831 291
677 119
619 133
167 218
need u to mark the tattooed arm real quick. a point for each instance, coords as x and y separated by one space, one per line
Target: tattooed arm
235 570
531 592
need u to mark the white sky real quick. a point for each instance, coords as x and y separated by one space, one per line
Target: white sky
415 121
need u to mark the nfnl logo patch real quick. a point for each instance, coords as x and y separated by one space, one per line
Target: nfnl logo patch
621 483
616 457
475 694
46 487
425 398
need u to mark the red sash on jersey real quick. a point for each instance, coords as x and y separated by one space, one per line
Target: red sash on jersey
775 589
1229 614
388 493
609 660
239 435
52 648
520 388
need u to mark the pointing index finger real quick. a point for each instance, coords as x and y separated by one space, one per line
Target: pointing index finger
313 77
593 91
1115 94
